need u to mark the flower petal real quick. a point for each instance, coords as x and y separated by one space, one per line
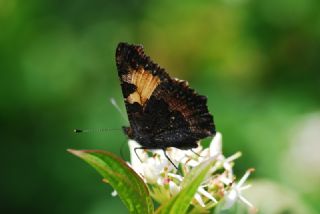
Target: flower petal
199 200
216 145
208 195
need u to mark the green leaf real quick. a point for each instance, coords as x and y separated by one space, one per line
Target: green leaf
129 186
181 202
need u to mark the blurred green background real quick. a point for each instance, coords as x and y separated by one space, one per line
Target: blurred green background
257 61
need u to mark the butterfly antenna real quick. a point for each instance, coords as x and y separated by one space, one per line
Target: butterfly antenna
115 104
165 154
135 151
93 130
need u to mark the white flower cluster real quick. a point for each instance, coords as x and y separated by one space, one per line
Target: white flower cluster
164 180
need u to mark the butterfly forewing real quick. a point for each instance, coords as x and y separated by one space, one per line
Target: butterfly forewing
163 112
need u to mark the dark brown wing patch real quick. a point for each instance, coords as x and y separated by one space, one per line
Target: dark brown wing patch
192 106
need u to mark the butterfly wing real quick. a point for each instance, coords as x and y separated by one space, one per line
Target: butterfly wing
163 112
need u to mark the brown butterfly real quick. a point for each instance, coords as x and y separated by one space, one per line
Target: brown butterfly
163 112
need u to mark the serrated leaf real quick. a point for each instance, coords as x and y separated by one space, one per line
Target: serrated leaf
129 186
181 202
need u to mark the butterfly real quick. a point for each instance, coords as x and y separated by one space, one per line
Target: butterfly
163 112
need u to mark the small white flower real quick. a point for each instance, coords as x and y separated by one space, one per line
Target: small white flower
234 194
165 182
174 188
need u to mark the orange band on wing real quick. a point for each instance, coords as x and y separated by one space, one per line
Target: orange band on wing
145 82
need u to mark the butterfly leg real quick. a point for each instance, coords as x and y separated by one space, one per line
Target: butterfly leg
135 151
165 154
195 153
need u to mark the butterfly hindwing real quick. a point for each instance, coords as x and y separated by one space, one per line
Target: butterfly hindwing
190 105
163 112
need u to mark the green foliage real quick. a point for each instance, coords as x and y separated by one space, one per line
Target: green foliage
181 202
130 187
